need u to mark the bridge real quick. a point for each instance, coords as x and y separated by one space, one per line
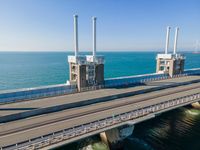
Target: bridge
51 116
54 121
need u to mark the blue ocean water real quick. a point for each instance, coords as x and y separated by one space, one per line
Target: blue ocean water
32 69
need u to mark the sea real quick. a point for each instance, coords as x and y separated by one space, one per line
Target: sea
175 130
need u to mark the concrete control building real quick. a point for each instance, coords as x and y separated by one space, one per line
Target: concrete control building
167 63
85 71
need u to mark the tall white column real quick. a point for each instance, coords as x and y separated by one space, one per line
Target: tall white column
167 40
76 35
175 40
94 36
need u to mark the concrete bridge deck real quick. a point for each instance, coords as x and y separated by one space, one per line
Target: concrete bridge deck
33 127
98 95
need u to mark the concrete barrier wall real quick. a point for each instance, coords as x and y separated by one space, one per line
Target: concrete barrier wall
34 93
140 79
195 71
124 81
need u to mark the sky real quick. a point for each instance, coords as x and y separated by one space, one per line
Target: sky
47 25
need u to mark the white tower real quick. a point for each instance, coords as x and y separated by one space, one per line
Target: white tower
77 63
170 63
175 41
94 35
95 63
167 40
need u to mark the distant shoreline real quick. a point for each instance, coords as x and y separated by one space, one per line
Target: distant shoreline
103 51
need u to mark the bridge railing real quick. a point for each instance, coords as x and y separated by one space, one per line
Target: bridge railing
91 88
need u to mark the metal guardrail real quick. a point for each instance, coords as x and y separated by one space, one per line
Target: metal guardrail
67 134
92 88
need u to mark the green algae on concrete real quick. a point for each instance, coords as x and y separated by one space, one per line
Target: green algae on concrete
100 146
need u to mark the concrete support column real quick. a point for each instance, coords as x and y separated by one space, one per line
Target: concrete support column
114 137
158 65
104 138
196 105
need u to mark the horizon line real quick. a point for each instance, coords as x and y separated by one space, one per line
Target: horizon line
91 51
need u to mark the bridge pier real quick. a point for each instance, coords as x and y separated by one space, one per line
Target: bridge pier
114 137
196 105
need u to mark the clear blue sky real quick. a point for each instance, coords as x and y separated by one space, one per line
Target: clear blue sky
121 25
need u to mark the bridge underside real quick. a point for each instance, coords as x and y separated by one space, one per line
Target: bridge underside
41 123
